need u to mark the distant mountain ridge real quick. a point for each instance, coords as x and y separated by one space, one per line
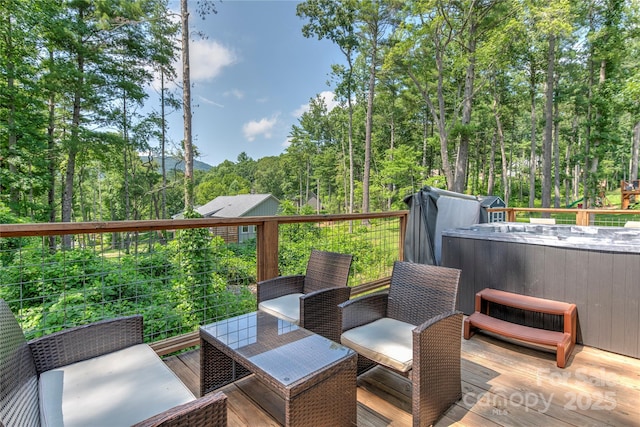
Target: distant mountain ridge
175 163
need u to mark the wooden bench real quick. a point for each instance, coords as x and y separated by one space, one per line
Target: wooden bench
563 341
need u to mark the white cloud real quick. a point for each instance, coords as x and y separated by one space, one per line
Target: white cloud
329 100
208 59
298 112
263 127
236 93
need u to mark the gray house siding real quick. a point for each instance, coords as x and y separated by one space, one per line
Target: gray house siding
242 205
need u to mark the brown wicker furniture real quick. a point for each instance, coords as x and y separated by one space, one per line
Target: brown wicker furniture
315 376
310 300
564 341
63 378
414 330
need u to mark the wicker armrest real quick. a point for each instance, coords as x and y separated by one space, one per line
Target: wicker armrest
279 286
436 366
210 410
319 311
362 310
85 342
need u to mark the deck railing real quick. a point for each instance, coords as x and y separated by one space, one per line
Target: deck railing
178 273
183 273
584 217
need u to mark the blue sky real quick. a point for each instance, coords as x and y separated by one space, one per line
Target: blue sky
252 78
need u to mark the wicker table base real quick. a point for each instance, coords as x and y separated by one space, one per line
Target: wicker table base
315 376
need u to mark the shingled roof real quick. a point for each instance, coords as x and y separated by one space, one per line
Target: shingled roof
232 206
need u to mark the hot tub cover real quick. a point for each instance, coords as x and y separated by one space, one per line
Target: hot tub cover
611 239
431 211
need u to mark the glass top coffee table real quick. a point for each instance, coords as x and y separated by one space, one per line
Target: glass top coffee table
315 376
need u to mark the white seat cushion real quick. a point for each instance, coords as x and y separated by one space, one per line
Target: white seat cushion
116 389
385 341
286 307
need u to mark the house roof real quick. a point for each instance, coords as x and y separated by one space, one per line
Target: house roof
232 206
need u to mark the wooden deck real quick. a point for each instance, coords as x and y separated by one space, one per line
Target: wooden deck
502 384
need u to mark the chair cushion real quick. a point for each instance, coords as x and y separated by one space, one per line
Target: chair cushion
386 341
115 389
286 307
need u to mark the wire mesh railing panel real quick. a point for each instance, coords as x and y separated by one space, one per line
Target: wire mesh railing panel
176 275
177 281
374 244
595 217
605 219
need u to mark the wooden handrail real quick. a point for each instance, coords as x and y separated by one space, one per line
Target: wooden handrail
266 245
64 228
267 226
583 216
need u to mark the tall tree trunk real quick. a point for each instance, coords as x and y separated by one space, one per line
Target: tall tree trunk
67 195
492 165
51 161
392 137
635 150
503 151
547 144
14 194
345 179
467 104
506 183
439 113
425 143
442 127
587 145
163 140
556 153
369 124
351 160
125 163
186 108
532 157
567 174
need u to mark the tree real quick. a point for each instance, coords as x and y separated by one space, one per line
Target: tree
424 47
552 21
204 8
95 37
23 171
270 176
375 18
336 20
605 50
163 30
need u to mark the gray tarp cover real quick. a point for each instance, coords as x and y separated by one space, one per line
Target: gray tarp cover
431 211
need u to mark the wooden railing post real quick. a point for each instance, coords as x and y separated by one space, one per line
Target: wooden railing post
582 217
267 248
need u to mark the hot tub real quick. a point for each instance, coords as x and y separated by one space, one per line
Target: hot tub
597 268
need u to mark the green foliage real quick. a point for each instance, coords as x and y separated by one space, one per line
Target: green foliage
73 287
176 287
9 245
431 52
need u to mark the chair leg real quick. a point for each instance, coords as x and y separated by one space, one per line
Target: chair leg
436 375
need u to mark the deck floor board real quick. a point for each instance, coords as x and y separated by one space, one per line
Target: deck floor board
503 384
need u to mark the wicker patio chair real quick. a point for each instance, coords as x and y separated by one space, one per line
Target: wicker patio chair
414 330
41 379
310 300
